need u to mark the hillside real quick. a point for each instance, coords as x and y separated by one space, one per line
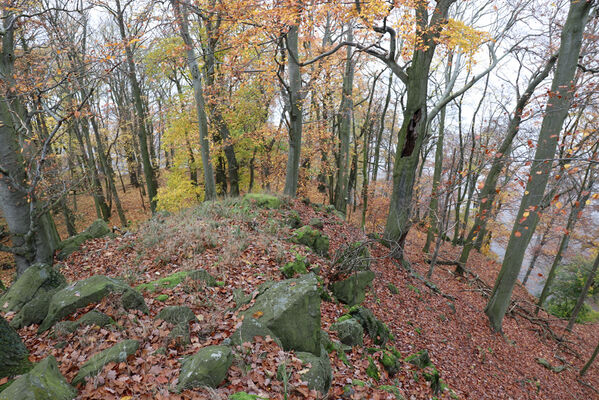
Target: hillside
243 246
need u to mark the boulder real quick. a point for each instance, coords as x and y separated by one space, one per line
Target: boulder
293 219
92 317
249 329
312 238
263 200
353 257
316 223
207 367
391 362
352 290
350 332
13 353
377 330
30 295
176 315
43 382
298 266
117 353
88 291
173 280
291 310
319 374
97 229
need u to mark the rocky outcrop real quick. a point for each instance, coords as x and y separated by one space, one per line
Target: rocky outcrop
291 310
91 290
13 353
352 290
263 200
249 329
97 229
207 367
117 353
43 382
30 295
319 374
349 332
180 316
312 238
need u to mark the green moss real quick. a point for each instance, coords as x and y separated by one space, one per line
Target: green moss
357 382
173 280
344 317
117 353
392 288
312 238
263 200
420 359
390 362
245 396
393 390
298 266
372 370
162 297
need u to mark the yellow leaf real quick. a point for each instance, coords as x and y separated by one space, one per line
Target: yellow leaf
558 205
257 314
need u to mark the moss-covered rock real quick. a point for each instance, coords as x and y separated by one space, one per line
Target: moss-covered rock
117 353
180 335
207 367
169 282
176 315
392 288
393 390
263 200
319 374
43 382
297 267
372 370
293 219
352 290
97 229
30 295
316 223
249 329
420 359
85 292
390 362
13 353
312 238
349 332
377 330
240 298
291 310
92 317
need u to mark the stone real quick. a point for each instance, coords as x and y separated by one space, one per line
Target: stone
13 353
180 334
240 298
319 375
176 315
296 267
352 290
169 282
30 295
420 359
312 238
207 367
88 291
316 223
92 317
43 382
349 332
372 370
249 329
390 362
378 331
293 219
263 200
392 288
291 310
117 353
99 228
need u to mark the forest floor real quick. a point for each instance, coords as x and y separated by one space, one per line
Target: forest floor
246 249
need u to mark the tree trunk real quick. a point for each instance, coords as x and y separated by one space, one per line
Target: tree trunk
556 111
345 119
192 64
590 362
379 138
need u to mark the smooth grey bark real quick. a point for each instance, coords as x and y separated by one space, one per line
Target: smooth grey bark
557 109
583 294
345 118
295 112
379 137
141 116
192 64
32 230
489 190
538 249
